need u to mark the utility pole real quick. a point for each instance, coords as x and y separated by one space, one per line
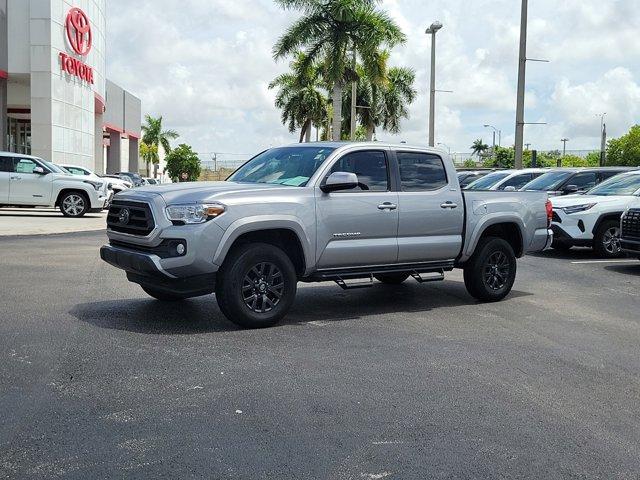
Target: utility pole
527 145
603 138
522 65
354 91
435 26
564 150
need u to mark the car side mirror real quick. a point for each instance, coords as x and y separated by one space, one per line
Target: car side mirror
570 189
39 170
340 181
510 188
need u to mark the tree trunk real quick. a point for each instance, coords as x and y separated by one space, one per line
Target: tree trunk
148 169
336 95
305 133
307 136
370 131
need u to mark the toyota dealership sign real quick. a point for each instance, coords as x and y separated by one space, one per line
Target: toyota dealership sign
80 38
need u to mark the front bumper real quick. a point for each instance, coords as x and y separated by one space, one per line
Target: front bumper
145 269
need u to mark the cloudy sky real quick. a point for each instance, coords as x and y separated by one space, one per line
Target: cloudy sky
205 65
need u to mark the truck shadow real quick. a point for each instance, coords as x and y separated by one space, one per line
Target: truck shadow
317 303
625 269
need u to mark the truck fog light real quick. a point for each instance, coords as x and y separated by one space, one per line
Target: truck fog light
180 249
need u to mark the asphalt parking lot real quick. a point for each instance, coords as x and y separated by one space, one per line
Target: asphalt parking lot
46 221
408 382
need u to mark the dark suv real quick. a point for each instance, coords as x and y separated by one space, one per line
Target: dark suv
567 181
134 178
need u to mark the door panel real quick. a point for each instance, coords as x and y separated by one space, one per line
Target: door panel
431 212
27 188
358 227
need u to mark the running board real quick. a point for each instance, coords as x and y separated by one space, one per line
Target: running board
353 285
332 274
437 277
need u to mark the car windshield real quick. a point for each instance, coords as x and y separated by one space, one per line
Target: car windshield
54 168
487 181
548 182
624 184
292 166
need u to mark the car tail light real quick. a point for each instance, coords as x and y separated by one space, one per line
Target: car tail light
549 207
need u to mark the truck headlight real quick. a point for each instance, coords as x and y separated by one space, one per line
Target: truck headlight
191 214
578 208
96 185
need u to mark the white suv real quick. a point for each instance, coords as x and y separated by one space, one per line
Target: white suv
27 181
593 219
114 183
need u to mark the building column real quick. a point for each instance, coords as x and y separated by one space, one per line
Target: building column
114 160
134 154
98 146
3 115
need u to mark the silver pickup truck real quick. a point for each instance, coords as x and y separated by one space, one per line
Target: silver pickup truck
314 212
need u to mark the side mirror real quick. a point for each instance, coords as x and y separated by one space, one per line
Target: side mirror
39 170
340 181
569 189
510 188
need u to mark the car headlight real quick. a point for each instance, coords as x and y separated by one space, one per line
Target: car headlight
96 185
191 214
578 208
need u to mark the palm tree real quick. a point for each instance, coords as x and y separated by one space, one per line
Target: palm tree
149 153
328 30
299 97
478 147
153 134
385 103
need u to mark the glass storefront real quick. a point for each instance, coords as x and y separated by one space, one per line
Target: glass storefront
19 135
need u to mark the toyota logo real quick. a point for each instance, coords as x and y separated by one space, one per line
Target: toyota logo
124 216
78 31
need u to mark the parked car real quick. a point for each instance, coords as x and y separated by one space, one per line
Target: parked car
113 183
569 181
28 181
151 181
506 179
134 178
593 219
630 229
318 212
466 177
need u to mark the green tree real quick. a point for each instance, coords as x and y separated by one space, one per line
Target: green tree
149 153
300 97
470 163
183 160
478 147
327 30
153 134
625 151
593 159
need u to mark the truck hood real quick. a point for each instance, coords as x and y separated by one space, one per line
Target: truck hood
194 192
571 200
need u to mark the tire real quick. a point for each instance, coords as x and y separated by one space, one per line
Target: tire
162 296
392 278
606 241
74 204
256 285
491 271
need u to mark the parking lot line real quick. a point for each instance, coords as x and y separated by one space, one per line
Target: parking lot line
606 261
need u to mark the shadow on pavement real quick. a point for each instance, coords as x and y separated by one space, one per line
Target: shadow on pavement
573 254
325 303
627 269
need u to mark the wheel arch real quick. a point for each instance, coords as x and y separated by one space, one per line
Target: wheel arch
604 217
509 230
66 190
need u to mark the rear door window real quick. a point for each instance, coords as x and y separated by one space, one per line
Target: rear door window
421 172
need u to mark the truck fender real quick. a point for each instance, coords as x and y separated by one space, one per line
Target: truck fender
486 222
265 222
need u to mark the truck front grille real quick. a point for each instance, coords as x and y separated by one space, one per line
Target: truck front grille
134 218
631 224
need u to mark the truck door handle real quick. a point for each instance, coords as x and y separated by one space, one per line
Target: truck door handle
449 205
16 178
387 206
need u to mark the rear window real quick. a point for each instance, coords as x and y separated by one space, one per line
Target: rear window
421 171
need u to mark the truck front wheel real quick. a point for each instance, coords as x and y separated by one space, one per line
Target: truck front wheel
256 285
490 273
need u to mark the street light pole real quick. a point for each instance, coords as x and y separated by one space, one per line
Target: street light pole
495 130
603 138
564 150
353 99
522 65
447 147
435 26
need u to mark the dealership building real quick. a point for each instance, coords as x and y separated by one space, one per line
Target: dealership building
55 99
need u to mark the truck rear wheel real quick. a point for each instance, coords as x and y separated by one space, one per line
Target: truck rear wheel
256 285
490 273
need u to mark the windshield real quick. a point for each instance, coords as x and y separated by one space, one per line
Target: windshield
548 182
487 181
624 184
292 166
54 168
